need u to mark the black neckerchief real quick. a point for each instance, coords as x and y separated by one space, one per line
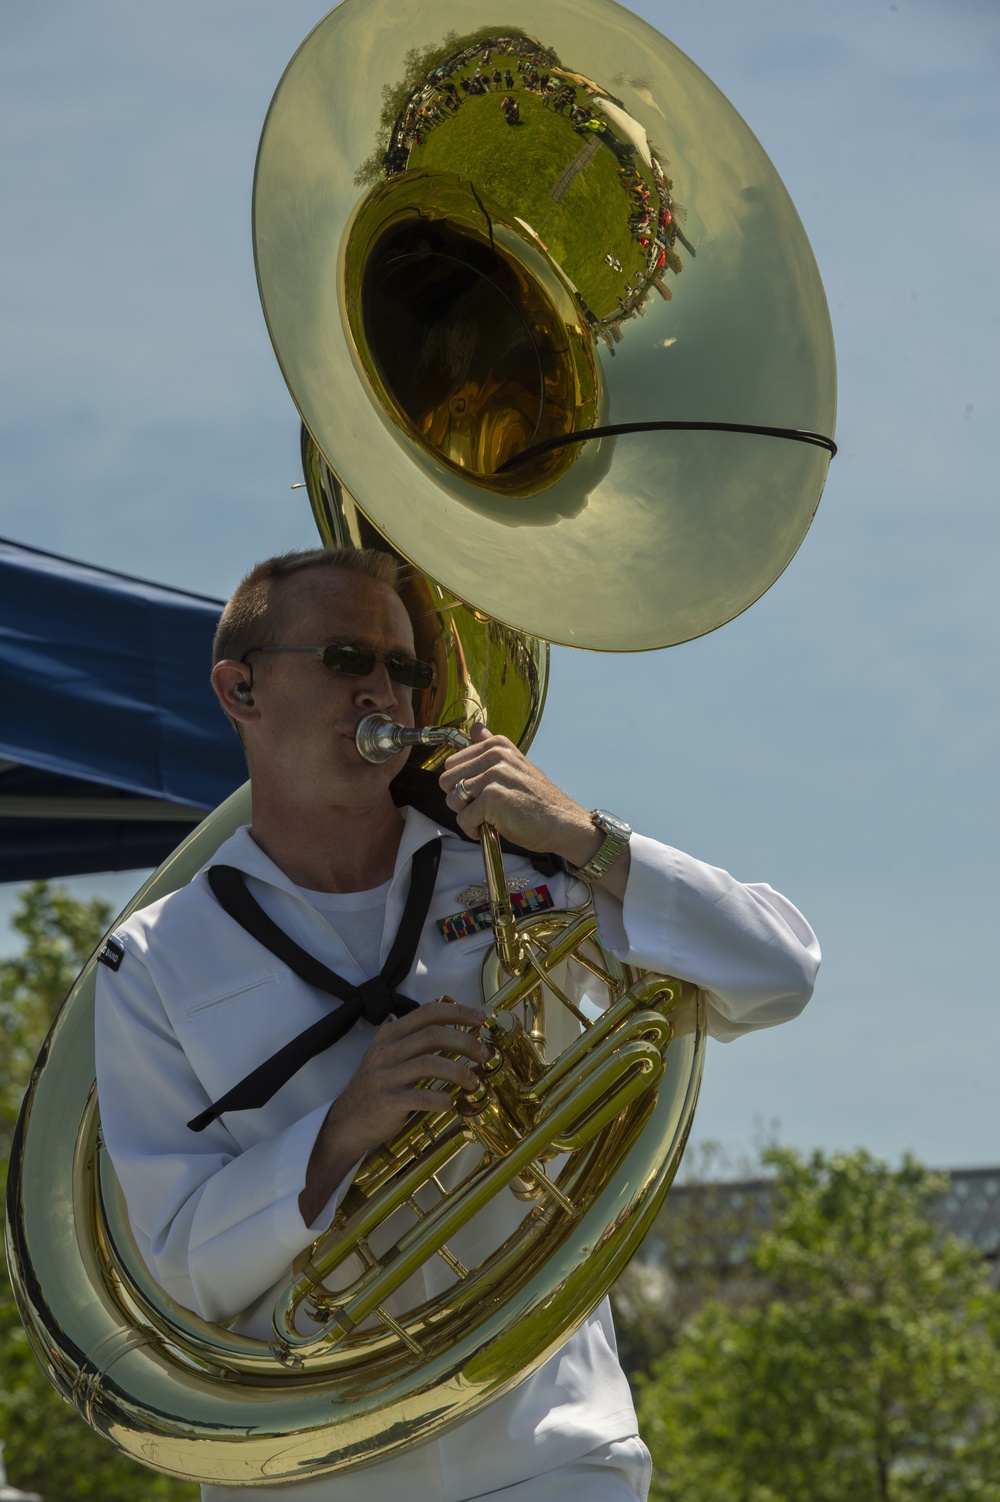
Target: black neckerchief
374 999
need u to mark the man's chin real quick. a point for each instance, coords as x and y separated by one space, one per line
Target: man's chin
362 780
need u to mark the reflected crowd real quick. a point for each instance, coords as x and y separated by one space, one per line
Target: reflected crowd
509 67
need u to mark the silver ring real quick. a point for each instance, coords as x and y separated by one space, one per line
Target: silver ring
463 792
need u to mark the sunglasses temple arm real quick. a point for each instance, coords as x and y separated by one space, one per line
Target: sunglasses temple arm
378 738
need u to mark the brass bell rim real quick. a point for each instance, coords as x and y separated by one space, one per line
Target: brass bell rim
620 516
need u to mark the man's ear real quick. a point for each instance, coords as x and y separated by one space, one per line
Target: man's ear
231 681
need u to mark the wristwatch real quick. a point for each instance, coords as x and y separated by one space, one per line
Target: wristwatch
616 837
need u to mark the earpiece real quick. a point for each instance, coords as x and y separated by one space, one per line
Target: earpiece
242 692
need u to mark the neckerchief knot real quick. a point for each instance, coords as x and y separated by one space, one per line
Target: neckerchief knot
375 999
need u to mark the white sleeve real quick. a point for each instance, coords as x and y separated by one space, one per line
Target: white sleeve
746 946
217 1225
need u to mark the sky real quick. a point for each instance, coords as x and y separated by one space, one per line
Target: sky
840 739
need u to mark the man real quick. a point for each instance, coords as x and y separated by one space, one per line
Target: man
308 645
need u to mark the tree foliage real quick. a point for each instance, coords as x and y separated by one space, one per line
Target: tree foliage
695 1251
58 934
862 1364
49 1448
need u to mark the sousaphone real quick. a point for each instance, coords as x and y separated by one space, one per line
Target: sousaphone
557 338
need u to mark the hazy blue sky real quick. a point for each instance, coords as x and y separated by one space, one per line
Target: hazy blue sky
840 739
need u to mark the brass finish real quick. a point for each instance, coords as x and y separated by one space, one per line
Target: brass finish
620 544
436 308
528 373
599 1124
507 939
486 672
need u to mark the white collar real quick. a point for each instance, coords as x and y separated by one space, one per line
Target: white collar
242 851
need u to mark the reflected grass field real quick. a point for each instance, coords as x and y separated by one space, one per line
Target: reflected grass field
517 166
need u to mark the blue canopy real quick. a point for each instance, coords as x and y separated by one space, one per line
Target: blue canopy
112 744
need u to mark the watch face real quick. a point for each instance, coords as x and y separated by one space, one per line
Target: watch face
610 824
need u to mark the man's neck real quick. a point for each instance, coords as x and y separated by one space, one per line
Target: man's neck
329 849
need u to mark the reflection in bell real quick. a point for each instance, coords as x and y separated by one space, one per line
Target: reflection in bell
460 267
469 335
463 354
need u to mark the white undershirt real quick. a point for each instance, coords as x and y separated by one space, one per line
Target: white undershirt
359 919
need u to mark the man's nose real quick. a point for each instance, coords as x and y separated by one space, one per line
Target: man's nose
376 689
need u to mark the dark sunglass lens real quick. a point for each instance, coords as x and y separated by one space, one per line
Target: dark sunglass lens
356 662
409 672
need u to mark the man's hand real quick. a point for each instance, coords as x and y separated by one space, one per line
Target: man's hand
383 1092
510 792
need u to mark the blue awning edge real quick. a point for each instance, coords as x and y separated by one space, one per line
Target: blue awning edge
107 718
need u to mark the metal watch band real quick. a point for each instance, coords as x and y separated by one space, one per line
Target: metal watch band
616 837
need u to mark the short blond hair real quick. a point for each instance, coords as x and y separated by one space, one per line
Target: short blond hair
254 616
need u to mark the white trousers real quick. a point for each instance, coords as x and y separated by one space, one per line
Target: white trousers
619 1472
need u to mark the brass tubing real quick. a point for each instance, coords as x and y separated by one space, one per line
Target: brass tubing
579 928
640 1066
330 1249
577 1051
509 947
489 1123
423 1240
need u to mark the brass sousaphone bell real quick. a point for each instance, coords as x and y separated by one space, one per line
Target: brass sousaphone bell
556 337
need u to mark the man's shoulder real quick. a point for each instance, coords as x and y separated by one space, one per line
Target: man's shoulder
189 907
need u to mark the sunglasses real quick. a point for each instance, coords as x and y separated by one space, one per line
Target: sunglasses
358 662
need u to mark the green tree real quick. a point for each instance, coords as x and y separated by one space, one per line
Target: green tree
59 933
863 1367
695 1251
49 1448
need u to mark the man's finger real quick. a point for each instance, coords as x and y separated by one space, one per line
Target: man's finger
487 750
435 1067
425 1100
435 1014
476 759
436 1040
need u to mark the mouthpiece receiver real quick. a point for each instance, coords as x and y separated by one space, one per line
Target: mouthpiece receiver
378 738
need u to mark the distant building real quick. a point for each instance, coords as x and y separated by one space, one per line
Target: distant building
971 1211
728 1216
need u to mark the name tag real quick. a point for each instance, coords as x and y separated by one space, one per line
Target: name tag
112 953
473 920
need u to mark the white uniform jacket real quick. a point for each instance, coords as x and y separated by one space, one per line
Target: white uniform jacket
197 1003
